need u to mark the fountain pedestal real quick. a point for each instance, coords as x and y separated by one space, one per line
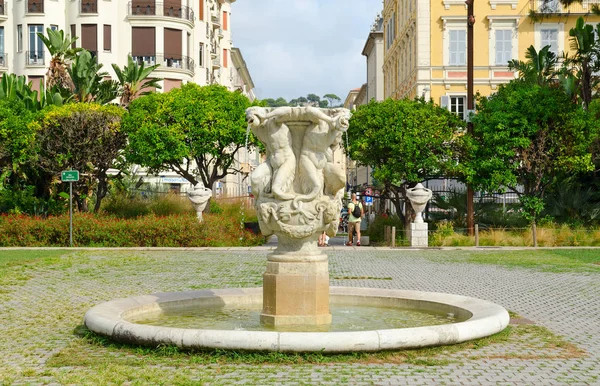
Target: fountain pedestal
298 191
296 293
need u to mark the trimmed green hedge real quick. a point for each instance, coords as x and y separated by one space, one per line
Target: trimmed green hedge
108 231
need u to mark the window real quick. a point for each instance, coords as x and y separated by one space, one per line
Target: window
458 47
549 37
53 27
107 37
201 55
36 46
73 34
457 105
19 38
201 10
225 57
391 31
503 46
89 38
224 20
2 54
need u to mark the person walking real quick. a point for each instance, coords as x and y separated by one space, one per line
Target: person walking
355 213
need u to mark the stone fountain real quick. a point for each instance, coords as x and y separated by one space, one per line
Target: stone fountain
298 192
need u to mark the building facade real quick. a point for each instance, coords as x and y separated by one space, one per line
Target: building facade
425 47
190 40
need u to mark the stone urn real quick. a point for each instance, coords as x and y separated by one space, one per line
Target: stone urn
199 197
419 196
298 191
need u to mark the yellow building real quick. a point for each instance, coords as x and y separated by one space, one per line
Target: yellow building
425 43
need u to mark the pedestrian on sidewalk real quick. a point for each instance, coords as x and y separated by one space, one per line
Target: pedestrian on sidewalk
355 214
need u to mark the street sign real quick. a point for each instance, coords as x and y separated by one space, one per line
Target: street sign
369 200
69 176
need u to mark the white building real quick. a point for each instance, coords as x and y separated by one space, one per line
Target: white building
190 39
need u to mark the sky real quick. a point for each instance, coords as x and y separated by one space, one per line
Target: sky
293 48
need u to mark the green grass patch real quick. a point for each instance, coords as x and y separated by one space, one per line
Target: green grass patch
547 260
97 352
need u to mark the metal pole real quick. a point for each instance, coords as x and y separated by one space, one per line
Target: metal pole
70 214
470 106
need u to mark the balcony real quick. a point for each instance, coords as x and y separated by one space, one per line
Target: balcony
88 6
35 58
216 20
216 62
3 9
34 6
3 59
553 7
161 9
178 62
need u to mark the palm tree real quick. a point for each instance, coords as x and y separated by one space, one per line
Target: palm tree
580 68
133 78
539 67
61 51
88 82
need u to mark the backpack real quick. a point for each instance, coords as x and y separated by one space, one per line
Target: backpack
356 212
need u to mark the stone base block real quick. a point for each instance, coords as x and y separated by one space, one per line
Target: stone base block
418 235
296 293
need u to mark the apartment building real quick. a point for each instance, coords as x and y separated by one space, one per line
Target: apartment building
425 47
360 176
189 39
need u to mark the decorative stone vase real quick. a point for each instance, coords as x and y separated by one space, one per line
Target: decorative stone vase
199 197
419 196
298 191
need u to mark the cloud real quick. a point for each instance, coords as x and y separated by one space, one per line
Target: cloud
296 47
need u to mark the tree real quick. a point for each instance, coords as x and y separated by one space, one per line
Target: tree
302 101
88 82
82 136
578 71
17 136
405 142
539 67
323 104
333 100
526 136
194 131
60 47
133 80
313 99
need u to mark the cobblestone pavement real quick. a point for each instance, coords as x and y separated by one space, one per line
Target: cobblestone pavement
41 305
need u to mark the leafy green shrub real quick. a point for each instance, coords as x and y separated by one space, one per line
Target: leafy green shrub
109 231
170 204
122 206
376 230
215 207
24 201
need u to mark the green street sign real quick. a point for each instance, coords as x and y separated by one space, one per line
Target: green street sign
69 176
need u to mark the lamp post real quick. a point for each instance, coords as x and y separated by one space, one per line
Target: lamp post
470 106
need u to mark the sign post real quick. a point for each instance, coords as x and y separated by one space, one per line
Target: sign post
70 176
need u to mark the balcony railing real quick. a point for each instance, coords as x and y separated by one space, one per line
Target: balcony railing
161 9
216 20
3 8
216 62
35 6
553 7
3 59
88 6
35 58
166 60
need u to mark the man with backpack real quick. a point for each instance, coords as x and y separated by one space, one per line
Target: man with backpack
355 213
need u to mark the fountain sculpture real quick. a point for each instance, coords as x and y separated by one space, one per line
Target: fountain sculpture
298 192
199 197
418 196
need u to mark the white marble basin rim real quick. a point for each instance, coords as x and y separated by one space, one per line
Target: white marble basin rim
483 318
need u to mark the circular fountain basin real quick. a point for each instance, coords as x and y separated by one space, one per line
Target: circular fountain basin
476 319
